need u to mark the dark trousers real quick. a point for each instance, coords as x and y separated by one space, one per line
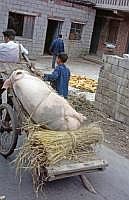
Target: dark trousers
54 61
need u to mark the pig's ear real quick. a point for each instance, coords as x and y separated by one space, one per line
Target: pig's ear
18 74
7 84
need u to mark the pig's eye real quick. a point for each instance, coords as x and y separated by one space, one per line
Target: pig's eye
18 73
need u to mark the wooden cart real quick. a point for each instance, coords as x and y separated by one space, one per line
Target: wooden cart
71 168
11 118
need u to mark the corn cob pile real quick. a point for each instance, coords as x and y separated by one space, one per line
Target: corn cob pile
83 83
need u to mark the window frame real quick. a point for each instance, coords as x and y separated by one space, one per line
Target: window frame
76 30
22 33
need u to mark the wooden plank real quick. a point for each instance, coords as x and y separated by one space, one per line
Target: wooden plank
77 166
35 14
53 177
75 169
56 18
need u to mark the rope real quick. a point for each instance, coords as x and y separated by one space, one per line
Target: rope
42 101
73 137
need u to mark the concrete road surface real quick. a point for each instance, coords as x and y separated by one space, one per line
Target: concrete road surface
77 66
112 184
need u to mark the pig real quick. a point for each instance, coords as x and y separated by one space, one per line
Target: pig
42 103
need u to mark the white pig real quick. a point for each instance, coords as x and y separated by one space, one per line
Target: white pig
43 104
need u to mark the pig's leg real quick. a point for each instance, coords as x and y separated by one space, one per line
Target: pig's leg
70 112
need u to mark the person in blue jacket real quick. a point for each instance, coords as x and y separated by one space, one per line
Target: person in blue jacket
59 79
56 48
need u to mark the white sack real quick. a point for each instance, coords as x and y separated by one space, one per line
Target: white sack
43 104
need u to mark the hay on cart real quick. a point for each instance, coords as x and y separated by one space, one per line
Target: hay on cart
45 148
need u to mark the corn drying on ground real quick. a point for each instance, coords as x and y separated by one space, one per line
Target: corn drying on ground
83 83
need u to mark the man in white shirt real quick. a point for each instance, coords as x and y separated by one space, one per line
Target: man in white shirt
10 51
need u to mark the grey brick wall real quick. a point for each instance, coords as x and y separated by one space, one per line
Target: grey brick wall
112 95
47 8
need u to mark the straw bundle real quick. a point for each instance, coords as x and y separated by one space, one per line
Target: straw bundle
45 148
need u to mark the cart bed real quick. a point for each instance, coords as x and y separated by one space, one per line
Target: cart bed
71 168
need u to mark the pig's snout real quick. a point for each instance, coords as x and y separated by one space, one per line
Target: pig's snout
7 84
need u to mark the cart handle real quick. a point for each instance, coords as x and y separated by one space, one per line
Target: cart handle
31 66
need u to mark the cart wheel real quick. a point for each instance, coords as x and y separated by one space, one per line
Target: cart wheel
8 132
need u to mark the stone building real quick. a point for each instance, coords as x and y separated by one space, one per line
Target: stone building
37 22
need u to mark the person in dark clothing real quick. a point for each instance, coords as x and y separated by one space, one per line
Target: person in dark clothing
56 48
59 79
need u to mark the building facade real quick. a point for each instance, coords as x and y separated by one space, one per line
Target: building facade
111 28
38 22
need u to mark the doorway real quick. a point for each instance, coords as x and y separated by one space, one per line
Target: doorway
53 29
96 34
127 45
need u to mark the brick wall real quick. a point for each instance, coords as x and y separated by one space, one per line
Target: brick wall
44 8
112 95
121 43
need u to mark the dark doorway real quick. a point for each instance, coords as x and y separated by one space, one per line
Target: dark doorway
127 45
127 48
53 29
99 21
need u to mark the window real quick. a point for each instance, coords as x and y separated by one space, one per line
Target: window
76 31
113 31
22 24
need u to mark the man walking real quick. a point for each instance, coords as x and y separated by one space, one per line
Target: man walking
56 48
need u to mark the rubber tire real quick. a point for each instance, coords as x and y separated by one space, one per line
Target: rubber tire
15 133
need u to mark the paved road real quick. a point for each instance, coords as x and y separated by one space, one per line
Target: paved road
77 66
112 184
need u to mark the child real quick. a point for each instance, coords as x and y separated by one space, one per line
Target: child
59 79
